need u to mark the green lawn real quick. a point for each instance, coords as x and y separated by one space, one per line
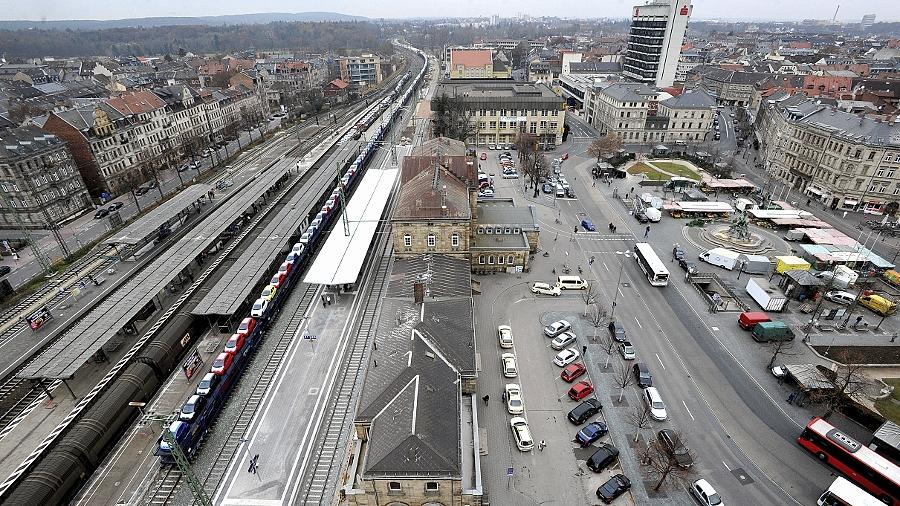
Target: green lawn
678 169
890 407
643 168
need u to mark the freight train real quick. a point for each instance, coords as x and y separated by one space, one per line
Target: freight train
57 477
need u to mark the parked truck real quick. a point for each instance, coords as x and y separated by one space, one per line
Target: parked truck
721 257
755 264
772 331
768 297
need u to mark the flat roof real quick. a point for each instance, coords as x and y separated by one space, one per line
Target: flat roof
148 224
341 257
768 214
711 207
76 346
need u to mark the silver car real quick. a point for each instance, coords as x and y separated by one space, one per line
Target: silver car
563 340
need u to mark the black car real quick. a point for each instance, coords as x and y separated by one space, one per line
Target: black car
585 410
641 217
671 442
614 487
642 375
5 269
605 456
687 265
101 213
617 331
115 206
140 190
677 252
590 433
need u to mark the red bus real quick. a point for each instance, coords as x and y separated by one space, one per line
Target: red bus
869 470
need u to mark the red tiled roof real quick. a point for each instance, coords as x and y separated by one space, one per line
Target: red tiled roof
339 84
470 57
137 102
457 165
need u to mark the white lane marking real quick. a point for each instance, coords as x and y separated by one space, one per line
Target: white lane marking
726 466
688 411
605 267
638 322
660 360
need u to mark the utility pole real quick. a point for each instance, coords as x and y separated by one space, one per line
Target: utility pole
181 461
625 254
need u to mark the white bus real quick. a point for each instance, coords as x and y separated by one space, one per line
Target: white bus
652 266
844 493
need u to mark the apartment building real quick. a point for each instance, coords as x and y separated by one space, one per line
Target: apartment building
361 71
729 87
690 117
623 109
40 183
846 161
499 110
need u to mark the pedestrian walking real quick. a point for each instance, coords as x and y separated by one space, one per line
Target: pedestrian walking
503 396
486 398
790 399
323 301
845 214
541 445
254 467
647 231
591 261
583 350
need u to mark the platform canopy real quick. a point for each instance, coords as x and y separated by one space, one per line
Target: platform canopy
341 258
149 224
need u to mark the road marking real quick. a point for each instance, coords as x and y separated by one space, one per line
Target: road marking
660 360
636 320
726 466
715 329
605 267
688 411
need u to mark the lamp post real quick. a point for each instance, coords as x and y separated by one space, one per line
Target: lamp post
625 254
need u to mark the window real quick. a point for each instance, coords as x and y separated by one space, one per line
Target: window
507 230
480 230
498 230
517 230
509 259
407 240
454 240
394 486
500 259
481 259
432 240
490 259
431 486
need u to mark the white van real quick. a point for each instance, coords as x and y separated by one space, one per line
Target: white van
560 191
570 283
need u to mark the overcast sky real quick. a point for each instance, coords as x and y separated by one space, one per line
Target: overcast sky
886 10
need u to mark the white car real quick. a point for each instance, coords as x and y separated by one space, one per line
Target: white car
561 341
627 350
556 328
508 365
505 334
487 193
521 433
655 403
546 289
566 357
514 403
779 371
840 297
511 175
705 493
259 308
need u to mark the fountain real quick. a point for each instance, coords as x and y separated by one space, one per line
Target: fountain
736 236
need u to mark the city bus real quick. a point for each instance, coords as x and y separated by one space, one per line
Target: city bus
656 272
844 493
859 464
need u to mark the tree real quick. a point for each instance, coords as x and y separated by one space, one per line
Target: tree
639 418
604 146
663 467
779 347
843 384
222 79
451 118
607 343
624 378
588 296
597 318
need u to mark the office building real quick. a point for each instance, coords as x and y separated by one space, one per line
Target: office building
654 42
361 71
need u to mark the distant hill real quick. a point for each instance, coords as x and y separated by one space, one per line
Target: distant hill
234 19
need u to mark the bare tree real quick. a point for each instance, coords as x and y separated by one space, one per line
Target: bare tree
779 347
597 318
624 378
604 146
607 343
843 384
589 296
639 418
663 467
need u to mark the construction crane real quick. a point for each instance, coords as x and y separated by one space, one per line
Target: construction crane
834 18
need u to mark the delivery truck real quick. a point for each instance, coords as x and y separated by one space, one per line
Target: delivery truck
755 264
721 257
842 277
768 297
772 331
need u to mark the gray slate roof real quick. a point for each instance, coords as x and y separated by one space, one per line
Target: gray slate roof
695 99
26 141
629 92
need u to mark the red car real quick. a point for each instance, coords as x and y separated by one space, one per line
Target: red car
484 156
572 371
565 156
277 279
221 364
285 268
581 390
235 343
246 326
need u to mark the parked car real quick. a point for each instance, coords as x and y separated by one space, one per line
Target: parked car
705 493
590 433
642 375
617 331
5 269
221 364
840 297
581 390
548 188
505 334
510 175
190 408
235 343
605 456
246 326
514 403
521 433
613 488
556 328
508 365
674 446
585 410
207 384
572 371
641 217
566 357
101 213
655 403
588 225
779 371
487 193
561 341
546 289
115 206
259 308
626 349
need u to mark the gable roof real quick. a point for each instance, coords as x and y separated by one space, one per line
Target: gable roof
420 198
694 99
137 102
338 83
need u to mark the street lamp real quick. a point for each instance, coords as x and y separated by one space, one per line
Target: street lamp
625 254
